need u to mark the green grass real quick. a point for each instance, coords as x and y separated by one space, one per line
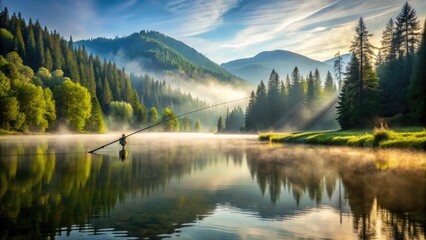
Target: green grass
414 138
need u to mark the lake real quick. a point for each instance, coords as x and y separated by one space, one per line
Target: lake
206 186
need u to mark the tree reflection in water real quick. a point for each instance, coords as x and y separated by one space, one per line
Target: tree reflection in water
386 189
44 192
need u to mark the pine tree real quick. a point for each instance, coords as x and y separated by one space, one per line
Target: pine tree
220 125
48 62
250 120
363 50
388 49
186 124
296 91
261 109
348 109
39 51
310 90
273 98
338 69
96 122
19 41
197 126
329 86
407 29
417 87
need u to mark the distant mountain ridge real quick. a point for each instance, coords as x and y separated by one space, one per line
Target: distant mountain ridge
156 52
260 66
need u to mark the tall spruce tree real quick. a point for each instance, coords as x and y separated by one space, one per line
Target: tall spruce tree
310 90
388 49
296 91
273 100
329 86
407 29
348 106
250 120
367 88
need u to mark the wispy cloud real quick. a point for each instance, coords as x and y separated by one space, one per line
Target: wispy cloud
317 29
196 17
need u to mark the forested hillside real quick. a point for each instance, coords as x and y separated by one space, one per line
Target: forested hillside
160 54
48 84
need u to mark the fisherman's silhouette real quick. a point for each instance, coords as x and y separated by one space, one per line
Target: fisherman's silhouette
123 152
123 141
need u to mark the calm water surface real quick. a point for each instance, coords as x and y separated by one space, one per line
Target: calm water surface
202 186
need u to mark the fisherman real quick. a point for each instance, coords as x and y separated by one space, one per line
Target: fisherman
123 141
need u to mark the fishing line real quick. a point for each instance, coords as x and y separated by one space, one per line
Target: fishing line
168 120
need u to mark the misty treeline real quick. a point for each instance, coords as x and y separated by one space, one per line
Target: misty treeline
394 90
234 121
293 103
46 83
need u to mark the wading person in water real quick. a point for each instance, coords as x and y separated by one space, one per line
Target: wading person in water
123 141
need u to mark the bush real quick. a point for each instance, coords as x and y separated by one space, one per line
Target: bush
382 134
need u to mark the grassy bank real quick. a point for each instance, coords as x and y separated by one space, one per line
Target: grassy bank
414 138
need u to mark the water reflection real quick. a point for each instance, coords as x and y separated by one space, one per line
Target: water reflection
224 187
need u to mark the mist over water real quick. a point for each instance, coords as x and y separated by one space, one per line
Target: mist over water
212 186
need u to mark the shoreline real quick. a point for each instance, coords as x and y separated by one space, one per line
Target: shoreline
411 138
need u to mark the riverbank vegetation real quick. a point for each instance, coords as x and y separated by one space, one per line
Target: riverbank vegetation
412 138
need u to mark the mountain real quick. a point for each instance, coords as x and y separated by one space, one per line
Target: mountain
260 66
154 52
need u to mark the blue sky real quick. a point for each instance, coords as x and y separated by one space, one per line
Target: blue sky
223 30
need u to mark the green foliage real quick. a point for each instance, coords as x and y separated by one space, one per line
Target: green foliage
55 61
121 112
4 85
73 104
329 86
171 123
153 116
96 122
33 105
338 70
399 43
6 39
10 116
382 134
197 125
358 103
235 120
186 124
50 106
407 30
220 125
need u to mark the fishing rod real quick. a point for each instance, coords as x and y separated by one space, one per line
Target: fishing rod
168 120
